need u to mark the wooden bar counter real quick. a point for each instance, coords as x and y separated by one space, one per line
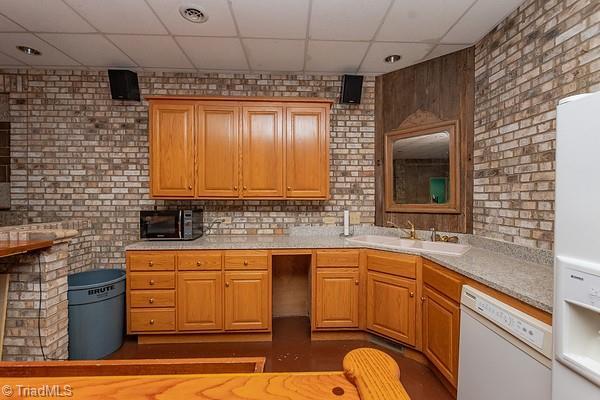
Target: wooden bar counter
368 374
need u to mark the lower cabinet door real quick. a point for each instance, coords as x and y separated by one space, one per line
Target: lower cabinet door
247 300
336 298
391 306
200 301
441 324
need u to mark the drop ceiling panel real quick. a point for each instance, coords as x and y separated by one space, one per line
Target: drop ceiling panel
44 16
152 51
7 25
421 21
50 56
275 55
220 22
443 49
119 16
214 53
8 61
324 56
480 19
411 53
284 19
346 19
78 46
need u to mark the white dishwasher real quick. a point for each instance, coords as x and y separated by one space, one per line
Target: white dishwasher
504 353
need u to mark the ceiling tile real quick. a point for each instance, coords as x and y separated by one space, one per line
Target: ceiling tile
411 53
220 22
479 20
214 53
421 21
77 46
275 55
118 16
6 60
285 19
7 25
444 49
152 51
50 56
44 16
346 19
334 56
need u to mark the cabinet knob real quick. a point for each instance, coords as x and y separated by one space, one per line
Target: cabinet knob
289 188
245 262
151 282
199 263
151 301
412 294
190 187
423 298
356 282
150 263
235 188
245 187
151 322
226 284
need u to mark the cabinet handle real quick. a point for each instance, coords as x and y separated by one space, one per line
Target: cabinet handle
190 187
151 301
245 188
356 282
199 263
245 262
412 294
151 282
289 188
151 322
226 284
235 188
423 298
150 263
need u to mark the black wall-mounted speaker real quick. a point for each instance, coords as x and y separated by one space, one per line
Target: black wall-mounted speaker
123 84
351 89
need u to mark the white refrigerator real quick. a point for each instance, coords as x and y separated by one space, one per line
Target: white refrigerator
576 318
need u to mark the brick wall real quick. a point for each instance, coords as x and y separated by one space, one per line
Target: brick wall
78 154
544 51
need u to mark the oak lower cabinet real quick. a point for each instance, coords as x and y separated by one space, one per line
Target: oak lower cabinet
391 306
247 300
200 301
336 299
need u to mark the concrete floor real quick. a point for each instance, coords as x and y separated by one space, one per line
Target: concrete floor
292 350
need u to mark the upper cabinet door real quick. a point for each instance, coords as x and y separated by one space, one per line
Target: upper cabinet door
218 151
172 149
262 153
307 158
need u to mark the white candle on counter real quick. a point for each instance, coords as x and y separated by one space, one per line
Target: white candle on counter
346 223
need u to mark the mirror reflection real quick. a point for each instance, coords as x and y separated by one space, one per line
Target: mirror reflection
421 169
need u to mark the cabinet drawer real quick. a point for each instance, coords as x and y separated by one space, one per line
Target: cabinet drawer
200 261
338 258
154 261
152 298
143 320
151 280
246 260
442 281
393 264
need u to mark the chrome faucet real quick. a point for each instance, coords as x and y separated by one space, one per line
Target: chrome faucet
434 235
413 232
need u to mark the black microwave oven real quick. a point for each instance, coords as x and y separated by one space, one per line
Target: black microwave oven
171 225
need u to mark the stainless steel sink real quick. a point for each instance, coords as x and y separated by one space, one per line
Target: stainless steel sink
453 249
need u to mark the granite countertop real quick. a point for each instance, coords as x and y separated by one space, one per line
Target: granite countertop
528 281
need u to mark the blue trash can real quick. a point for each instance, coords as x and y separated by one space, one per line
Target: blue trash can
96 313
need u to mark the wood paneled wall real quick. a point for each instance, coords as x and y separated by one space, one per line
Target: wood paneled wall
443 86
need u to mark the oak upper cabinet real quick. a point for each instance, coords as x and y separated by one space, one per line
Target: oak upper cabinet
172 149
391 306
217 150
200 301
262 151
307 155
247 300
336 298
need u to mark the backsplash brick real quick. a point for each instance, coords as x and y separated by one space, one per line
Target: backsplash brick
542 52
78 154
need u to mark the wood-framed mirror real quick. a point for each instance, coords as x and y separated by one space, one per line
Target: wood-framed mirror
422 169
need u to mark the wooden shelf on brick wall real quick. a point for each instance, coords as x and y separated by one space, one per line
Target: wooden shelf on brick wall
12 247
239 148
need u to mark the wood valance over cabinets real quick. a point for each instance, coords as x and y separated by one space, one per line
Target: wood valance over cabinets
239 147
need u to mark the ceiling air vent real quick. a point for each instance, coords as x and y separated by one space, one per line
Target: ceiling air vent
193 14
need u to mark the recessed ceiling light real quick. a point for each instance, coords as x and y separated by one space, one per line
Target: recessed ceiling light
392 58
30 51
193 14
